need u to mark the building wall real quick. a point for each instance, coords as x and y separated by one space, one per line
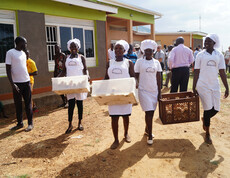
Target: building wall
50 7
141 37
133 15
99 71
169 39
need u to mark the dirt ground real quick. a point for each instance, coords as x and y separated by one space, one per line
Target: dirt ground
178 150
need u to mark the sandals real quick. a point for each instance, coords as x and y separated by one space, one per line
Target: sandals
80 127
69 130
150 142
114 145
127 139
208 139
148 134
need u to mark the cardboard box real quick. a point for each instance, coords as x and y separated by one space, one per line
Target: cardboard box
114 91
179 107
68 85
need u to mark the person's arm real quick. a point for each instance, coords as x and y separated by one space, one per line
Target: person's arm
137 79
63 72
171 58
191 57
195 79
33 73
84 64
159 85
106 72
8 72
131 69
224 80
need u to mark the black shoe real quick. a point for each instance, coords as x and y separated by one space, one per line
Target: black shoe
17 127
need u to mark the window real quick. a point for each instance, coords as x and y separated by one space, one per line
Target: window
89 43
6 40
51 41
7 35
62 29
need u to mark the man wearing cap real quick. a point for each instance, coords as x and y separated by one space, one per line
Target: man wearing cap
180 58
138 51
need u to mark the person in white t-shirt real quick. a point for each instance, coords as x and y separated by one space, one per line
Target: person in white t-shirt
148 75
208 64
111 52
20 82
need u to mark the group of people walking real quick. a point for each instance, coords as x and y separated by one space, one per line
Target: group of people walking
148 74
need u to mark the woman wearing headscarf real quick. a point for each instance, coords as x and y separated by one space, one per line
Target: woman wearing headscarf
120 68
208 64
148 75
75 65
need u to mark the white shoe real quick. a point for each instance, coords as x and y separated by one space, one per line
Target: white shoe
150 142
29 128
148 134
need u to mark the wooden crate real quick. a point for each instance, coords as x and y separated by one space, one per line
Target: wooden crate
68 85
179 107
114 91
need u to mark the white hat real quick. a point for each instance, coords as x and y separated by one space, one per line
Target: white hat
137 46
214 38
124 44
148 44
76 41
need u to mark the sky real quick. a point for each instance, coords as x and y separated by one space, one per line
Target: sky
184 15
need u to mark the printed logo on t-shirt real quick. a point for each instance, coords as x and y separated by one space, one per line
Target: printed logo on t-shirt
211 63
72 63
150 70
116 71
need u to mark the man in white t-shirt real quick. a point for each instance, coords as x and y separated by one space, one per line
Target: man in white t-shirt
20 82
111 52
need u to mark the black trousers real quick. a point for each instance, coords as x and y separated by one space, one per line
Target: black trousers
71 109
162 67
180 77
208 114
25 92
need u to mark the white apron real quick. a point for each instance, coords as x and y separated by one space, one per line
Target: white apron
119 70
208 86
74 67
148 89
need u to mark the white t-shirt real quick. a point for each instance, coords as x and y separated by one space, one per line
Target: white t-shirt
147 70
17 60
209 65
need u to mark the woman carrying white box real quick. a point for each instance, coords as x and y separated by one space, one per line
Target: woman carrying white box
148 75
75 65
120 68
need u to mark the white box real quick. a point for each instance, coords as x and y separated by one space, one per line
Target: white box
114 91
68 85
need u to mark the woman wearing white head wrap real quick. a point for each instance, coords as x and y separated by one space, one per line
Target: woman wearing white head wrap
120 68
75 65
148 74
208 64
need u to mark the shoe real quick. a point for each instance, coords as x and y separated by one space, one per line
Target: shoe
18 126
62 105
150 142
69 130
80 127
208 139
29 128
148 134
114 145
66 105
127 139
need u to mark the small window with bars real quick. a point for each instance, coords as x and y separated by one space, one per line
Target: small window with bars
51 41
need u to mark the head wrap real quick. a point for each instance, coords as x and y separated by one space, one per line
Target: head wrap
76 41
124 44
215 38
148 44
